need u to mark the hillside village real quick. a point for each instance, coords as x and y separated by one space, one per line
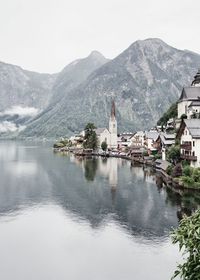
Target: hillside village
175 138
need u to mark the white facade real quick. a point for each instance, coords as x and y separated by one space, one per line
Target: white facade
109 135
103 136
138 139
193 110
183 108
194 151
113 132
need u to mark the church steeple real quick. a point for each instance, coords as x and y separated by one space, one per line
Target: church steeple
113 126
113 110
196 81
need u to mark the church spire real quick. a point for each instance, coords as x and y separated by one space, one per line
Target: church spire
196 81
113 110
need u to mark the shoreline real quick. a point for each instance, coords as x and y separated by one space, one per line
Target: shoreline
168 180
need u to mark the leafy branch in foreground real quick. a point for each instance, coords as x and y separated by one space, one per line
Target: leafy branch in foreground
187 235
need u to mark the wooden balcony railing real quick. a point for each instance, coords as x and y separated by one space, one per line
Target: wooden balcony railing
189 157
186 146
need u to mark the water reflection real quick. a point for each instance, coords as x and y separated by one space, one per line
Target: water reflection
91 188
103 214
90 166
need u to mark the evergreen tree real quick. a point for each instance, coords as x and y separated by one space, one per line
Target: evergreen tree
90 139
104 146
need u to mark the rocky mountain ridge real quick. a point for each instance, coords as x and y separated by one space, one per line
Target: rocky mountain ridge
144 81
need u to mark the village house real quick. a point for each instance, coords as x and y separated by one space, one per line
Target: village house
150 141
189 101
137 140
124 140
189 136
164 142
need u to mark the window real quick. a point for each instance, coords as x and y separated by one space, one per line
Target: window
193 143
185 109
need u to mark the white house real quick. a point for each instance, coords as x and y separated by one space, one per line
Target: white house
124 140
164 141
150 139
138 139
189 135
189 101
109 135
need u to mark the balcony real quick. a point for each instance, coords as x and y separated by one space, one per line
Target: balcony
187 146
189 157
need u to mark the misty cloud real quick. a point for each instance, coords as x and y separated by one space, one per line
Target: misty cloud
10 127
21 111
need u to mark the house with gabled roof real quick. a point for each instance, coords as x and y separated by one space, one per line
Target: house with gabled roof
189 136
189 101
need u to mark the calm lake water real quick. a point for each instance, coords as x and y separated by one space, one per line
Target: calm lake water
97 219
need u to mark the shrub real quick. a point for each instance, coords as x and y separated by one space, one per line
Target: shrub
59 145
169 169
196 175
145 154
177 171
188 181
173 154
157 156
187 171
185 162
183 116
187 236
197 185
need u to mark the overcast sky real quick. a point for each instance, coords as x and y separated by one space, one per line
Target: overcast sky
45 35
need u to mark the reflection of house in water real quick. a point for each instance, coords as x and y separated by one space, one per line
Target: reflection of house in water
109 169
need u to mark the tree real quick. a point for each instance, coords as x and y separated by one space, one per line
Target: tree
177 171
188 237
104 146
183 116
173 154
90 139
172 112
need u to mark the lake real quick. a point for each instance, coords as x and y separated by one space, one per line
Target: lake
90 219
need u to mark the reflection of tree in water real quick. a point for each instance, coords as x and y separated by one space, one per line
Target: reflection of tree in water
104 160
159 182
90 166
188 201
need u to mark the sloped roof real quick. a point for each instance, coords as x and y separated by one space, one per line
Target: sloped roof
193 125
195 103
100 130
164 165
152 135
167 139
139 133
190 93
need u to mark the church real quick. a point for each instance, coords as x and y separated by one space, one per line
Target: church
109 135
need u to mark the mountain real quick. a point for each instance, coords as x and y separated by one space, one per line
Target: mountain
25 94
22 95
24 88
144 81
75 73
